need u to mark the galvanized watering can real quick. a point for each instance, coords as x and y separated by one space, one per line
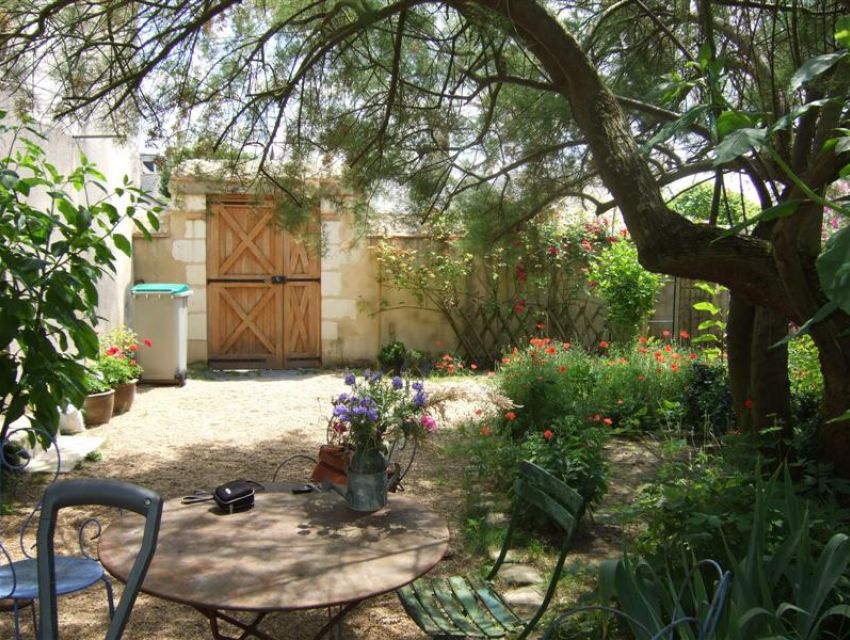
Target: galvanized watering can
368 481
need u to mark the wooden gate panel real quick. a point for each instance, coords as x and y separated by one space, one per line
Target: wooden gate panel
302 306
263 289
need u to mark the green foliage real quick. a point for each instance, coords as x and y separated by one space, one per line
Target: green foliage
396 357
709 402
695 204
804 366
451 364
641 389
520 276
786 583
571 450
95 382
712 331
114 370
52 258
629 290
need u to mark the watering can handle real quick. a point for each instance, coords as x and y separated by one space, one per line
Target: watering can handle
394 477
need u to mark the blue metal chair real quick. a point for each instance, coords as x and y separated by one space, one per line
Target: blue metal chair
19 579
109 493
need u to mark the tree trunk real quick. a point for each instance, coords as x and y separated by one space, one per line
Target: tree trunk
758 370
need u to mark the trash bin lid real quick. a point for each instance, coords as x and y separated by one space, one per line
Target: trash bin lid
161 287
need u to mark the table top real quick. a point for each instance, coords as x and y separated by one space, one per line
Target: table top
289 552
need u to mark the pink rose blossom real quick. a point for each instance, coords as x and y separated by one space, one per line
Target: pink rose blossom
429 423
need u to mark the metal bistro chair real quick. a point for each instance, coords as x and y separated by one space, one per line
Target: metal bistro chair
109 493
19 579
469 607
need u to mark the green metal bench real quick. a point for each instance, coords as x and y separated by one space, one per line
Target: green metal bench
469 607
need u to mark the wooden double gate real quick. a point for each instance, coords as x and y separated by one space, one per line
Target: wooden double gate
263 289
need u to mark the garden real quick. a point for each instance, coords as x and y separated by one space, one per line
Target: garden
555 164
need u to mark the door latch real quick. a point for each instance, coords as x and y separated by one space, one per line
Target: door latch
278 279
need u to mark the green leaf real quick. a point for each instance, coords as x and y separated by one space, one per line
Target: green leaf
788 119
842 31
842 144
686 121
812 68
710 307
730 121
738 143
123 244
843 416
833 267
845 171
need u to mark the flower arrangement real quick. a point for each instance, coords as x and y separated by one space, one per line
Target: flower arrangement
378 409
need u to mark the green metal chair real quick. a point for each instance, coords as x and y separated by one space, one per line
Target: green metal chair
469 607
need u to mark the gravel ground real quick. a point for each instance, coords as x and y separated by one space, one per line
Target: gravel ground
177 439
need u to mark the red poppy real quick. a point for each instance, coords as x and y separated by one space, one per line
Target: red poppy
642 339
665 333
693 356
562 369
552 251
485 430
510 416
603 344
548 434
608 421
550 350
113 350
684 335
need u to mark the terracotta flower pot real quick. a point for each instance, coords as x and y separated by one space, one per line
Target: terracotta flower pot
97 408
125 393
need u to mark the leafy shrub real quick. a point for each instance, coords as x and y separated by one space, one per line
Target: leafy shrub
51 258
804 367
787 583
393 356
629 290
569 448
638 389
396 357
708 406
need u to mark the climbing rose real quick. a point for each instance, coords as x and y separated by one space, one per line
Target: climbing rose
548 434
665 333
148 342
684 335
510 415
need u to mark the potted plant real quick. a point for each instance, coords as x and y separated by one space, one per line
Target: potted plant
118 363
99 401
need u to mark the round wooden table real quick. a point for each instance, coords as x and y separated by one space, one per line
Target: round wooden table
289 552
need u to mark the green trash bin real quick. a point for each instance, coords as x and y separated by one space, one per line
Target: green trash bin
161 314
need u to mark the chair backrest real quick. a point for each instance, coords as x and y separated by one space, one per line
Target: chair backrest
563 506
110 493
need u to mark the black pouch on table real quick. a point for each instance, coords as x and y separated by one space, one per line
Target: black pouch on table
237 495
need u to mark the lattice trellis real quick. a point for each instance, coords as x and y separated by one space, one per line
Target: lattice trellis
485 332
